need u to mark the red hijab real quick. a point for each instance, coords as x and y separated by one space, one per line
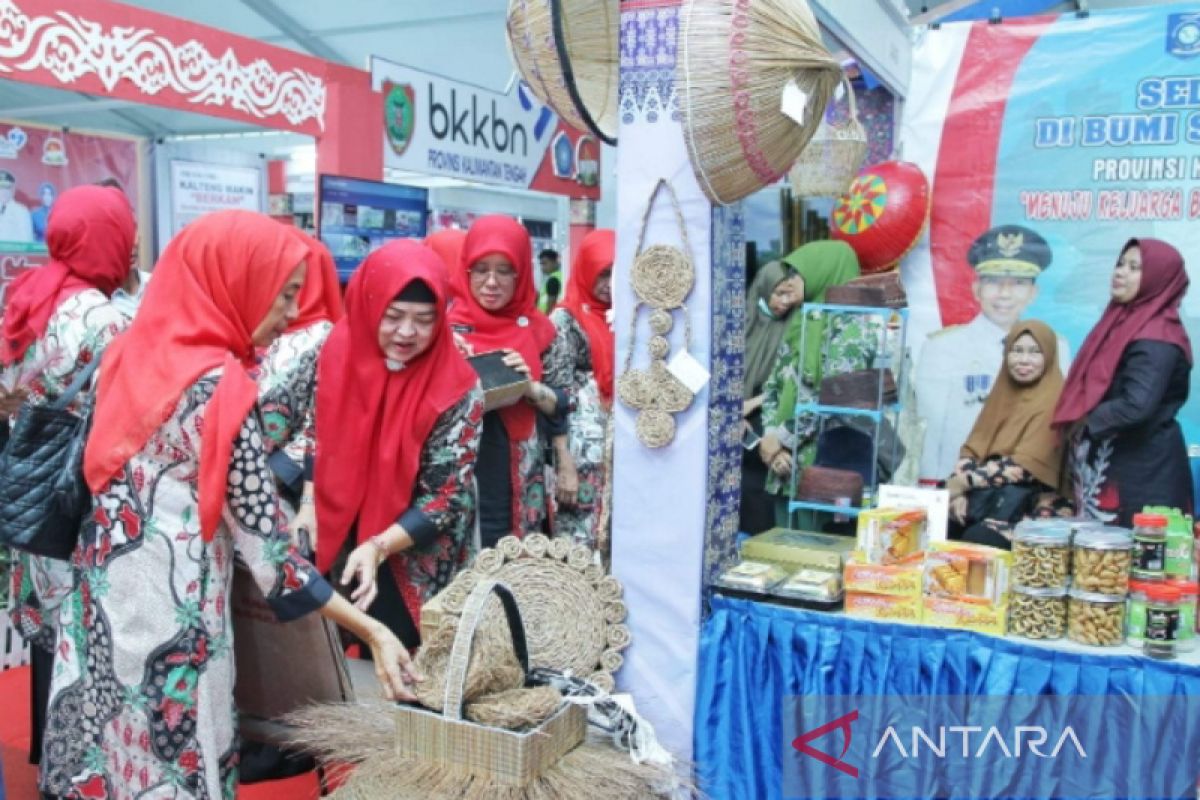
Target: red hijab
519 325
90 236
213 285
1153 314
595 255
321 298
371 422
448 244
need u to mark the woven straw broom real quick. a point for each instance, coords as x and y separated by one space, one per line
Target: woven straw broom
566 50
738 58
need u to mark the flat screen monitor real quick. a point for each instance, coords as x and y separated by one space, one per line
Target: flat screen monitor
358 216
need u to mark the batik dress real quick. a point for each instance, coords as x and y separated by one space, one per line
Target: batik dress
441 516
77 333
587 425
287 393
141 702
852 342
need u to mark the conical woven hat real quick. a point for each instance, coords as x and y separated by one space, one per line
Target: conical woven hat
738 58
566 50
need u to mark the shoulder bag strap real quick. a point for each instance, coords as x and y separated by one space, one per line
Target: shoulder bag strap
77 385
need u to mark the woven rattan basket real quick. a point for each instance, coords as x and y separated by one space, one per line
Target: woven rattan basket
497 755
833 157
566 50
742 63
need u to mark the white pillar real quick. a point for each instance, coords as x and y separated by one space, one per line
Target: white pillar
675 508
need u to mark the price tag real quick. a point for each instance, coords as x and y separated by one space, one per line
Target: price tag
795 102
690 372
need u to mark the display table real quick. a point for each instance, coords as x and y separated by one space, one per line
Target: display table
753 655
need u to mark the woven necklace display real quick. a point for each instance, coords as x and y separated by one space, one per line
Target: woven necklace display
662 278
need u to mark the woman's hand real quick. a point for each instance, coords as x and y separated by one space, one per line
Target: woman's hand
393 665
958 509
752 405
305 521
363 564
515 360
567 484
768 448
781 464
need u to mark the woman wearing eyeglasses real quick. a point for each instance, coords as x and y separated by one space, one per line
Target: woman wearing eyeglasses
497 310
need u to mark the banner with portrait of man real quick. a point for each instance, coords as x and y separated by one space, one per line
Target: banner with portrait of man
1049 141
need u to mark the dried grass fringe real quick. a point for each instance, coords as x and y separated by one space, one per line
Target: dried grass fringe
357 744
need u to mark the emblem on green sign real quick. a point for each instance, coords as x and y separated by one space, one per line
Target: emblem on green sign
400 115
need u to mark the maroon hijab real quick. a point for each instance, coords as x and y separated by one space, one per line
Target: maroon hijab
1153 315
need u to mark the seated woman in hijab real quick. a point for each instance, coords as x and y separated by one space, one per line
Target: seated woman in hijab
1126 389
832 345
773 295
496 310
399 413
142 695
287 384
1010 468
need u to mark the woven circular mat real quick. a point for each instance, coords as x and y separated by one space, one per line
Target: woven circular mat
573 612
662 276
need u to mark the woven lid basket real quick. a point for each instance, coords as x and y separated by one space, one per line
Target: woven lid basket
566 50
833 157
574 613
741 61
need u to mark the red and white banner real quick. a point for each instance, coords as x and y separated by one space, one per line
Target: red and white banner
121 51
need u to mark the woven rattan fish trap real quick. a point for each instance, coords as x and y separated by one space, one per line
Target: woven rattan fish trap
566 50
753 83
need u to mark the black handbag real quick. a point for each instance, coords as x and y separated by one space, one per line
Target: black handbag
43 495
1009 503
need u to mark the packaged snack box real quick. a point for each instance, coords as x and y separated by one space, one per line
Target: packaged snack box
882 607
898 580
960 570
799 549
965 614
890 535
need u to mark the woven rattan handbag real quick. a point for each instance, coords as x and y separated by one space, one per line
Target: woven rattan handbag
495 755
833 157
43 495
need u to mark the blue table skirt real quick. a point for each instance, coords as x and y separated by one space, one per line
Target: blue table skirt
752 655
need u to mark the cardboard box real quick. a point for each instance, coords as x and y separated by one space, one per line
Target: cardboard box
968 615
897 580
960 570
799 549
890 535
882 607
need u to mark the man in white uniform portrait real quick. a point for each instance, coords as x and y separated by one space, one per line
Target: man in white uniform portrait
16 223
959 364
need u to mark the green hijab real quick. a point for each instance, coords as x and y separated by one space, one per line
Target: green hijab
823 265
764 331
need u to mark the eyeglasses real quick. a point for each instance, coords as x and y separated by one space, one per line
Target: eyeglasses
502 275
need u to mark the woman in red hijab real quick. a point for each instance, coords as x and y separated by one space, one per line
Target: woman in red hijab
399 413
178 467
448 244
582 322
1125 388
287 383
497 310
57 321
